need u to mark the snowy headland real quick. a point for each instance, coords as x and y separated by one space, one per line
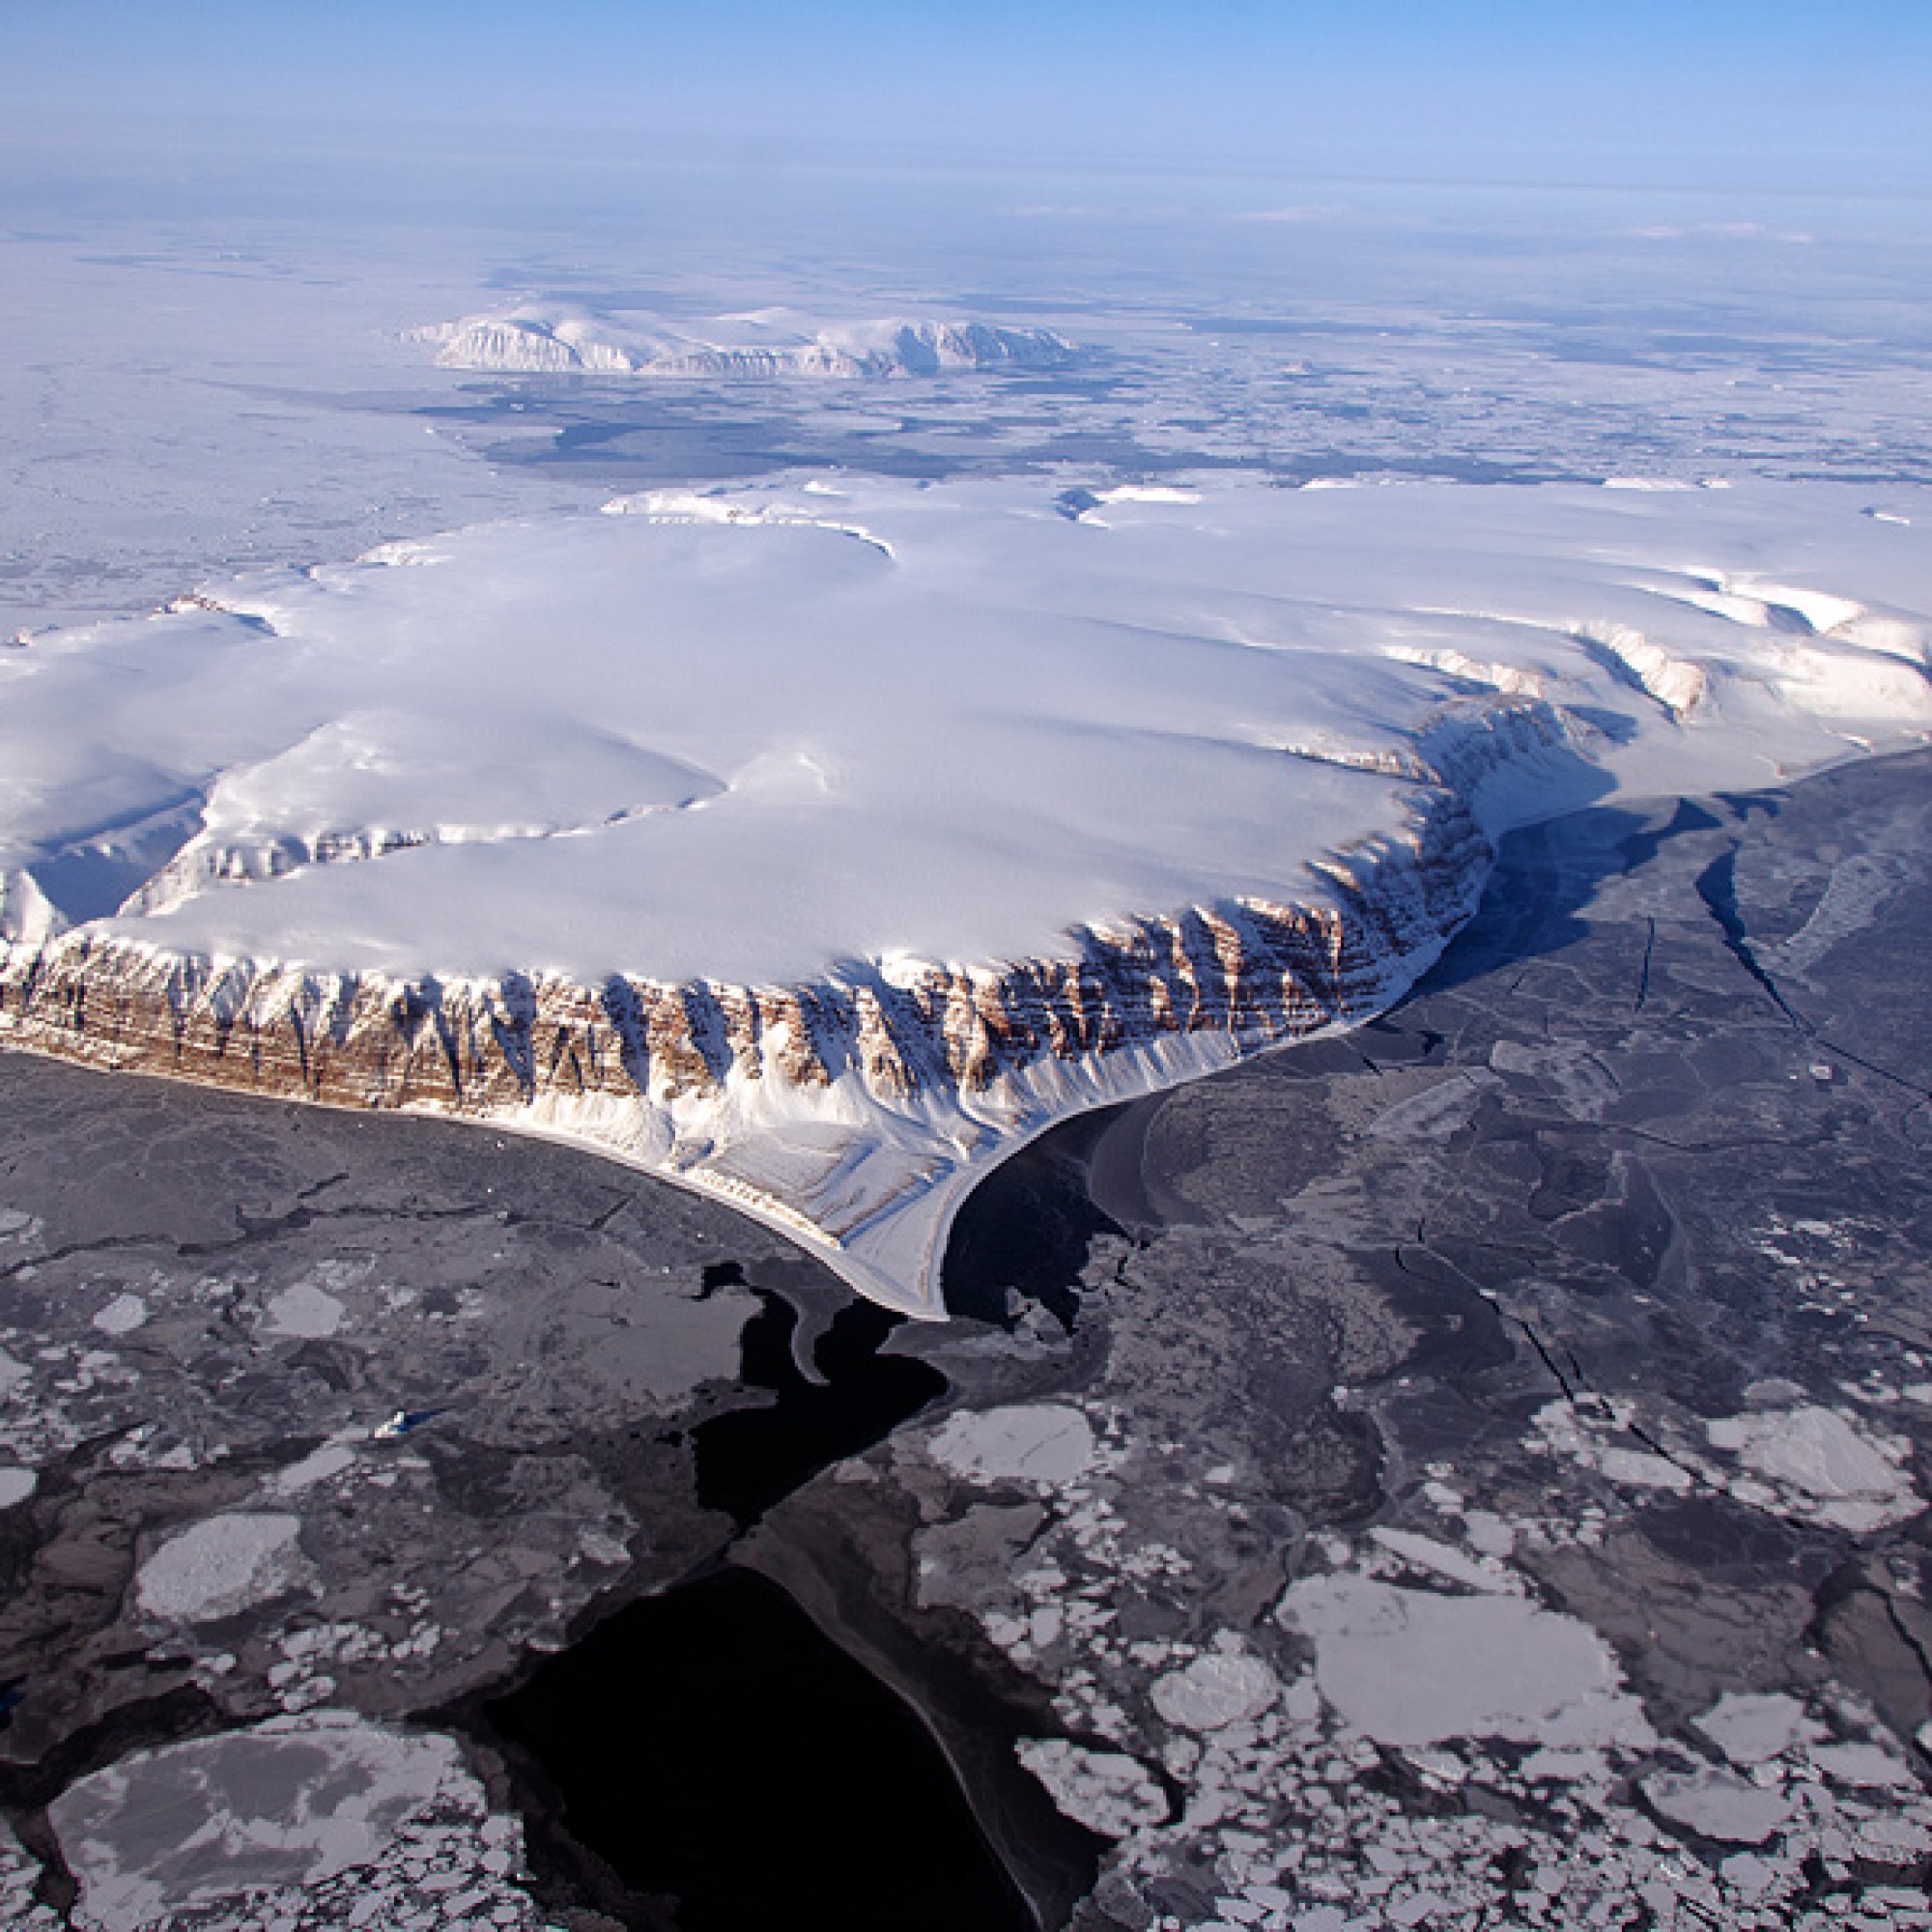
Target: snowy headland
814 844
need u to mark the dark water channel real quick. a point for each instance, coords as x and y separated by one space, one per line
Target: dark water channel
748 1458
708 1759
737 1772
1027 1227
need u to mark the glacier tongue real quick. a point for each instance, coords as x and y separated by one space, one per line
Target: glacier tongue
813 847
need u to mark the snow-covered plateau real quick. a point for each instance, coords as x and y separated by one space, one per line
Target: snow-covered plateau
816 846
546 339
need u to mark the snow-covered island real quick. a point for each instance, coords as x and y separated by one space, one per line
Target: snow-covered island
815 845
552 339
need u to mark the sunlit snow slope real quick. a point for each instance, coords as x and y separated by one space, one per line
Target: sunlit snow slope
813 845
546 339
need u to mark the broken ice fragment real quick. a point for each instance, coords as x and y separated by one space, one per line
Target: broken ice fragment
1226 1688
221 1565
1108 1792
1412 1668
1715 1804
1039 1442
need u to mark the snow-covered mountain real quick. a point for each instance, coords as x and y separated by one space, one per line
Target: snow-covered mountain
814 846
545 339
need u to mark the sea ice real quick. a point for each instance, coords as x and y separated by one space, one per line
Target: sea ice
1222 1687
1423 1552
1033 1443
290 1802
1715 1804
1823 1465
1751 1727
316 1466
122 1316
1108 1792
1642 1470
303 1309
221 1565
1864 1764
1412 1668
1591 1433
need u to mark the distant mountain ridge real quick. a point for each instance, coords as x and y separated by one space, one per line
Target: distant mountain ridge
554 339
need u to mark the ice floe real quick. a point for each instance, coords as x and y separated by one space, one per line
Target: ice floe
1751 1727
1224 1686
221 1565
1032 1442
122 1316
1717 1804
303 1309
1108 1792
1822 1465
1412 1668
290 1803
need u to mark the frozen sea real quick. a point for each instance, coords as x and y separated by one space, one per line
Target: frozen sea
1347 1488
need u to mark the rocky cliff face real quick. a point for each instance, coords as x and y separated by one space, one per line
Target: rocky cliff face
1256 972
853 1110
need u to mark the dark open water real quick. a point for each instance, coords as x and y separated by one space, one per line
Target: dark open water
712 1748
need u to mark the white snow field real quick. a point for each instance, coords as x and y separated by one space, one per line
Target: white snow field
871 736
552 339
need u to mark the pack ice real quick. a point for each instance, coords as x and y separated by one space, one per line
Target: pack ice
814 844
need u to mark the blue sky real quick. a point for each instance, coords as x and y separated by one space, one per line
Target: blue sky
1834 93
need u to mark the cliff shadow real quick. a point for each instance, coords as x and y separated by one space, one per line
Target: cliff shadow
1027 1229
1548 876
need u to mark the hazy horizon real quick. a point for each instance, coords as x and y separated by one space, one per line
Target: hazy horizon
1725 99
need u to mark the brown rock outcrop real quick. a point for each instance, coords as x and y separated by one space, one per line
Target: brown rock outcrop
687 1078
1259 970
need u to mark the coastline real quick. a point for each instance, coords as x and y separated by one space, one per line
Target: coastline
1268 1393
